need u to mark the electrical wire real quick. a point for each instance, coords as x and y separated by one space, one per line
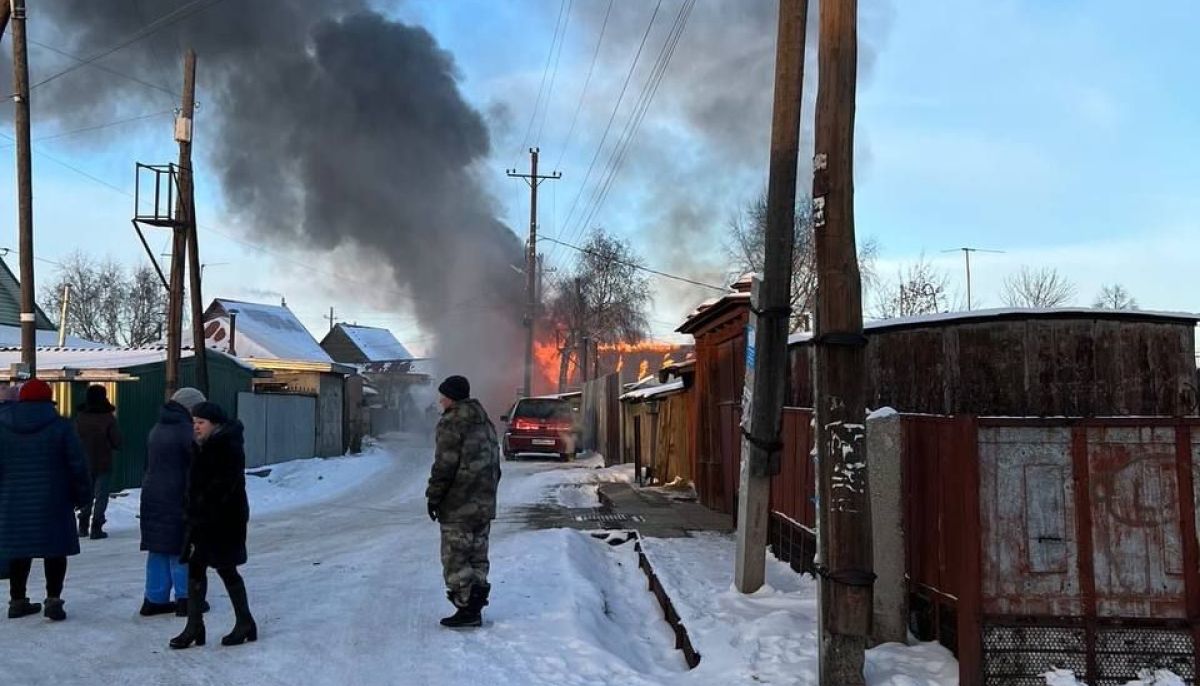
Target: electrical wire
642 106
634 265
545 73
554 74
600 147
170 19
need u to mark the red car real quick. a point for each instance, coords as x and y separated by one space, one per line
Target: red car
540 426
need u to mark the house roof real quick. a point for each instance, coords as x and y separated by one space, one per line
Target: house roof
652 392
10 302
710 310
263 331
10 336
1009 314
375 344
95 358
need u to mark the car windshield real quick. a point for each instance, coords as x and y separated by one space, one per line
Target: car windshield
542 409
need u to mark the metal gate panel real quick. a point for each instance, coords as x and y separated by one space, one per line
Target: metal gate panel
1138 554
1027 504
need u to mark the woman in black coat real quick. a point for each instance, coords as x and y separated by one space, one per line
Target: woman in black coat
169 451
217 513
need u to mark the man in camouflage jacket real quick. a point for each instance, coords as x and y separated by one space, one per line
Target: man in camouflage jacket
462 498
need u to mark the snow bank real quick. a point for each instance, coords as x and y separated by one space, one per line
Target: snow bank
769 636
575 485
288 485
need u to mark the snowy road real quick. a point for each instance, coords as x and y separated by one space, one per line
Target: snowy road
348 591
345 583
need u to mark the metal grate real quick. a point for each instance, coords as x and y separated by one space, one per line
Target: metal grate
608 517
1018 655
1122 653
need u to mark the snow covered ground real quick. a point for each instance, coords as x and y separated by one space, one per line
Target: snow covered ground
345 582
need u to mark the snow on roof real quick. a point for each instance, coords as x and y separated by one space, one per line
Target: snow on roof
654 391
10 336
263 331
93 358
378 345
1012 313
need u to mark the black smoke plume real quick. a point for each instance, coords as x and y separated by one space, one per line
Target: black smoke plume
330 126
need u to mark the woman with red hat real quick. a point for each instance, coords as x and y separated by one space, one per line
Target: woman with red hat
43 478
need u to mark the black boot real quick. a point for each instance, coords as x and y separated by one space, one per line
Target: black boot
470 615
151 609
194 631
245 629
84 529
97 530
54 610
22 608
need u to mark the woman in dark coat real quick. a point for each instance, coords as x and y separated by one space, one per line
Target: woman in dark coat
217 514
164 486
98 430
43 478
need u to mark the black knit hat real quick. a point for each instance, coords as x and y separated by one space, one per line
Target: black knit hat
210 411
456 388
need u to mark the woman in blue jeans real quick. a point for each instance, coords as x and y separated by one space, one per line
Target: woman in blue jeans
169 457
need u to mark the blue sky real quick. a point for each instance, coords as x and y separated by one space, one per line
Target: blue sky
1064 133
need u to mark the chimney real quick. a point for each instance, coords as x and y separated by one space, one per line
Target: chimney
233 332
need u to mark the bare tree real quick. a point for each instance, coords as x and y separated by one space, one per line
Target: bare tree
919 288
1043 287
604 298
745 249
109 303
1115 297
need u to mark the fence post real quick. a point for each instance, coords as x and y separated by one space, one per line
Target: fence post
884 448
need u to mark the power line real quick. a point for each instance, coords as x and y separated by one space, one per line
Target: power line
586 81
170 19
554 74
80 61
635 265
628 77
642 106
575 118
545 73
469 305
97 127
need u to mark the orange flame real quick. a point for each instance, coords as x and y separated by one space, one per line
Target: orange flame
620 362
643 369
546 360
643 347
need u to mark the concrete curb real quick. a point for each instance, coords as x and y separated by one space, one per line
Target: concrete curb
683 642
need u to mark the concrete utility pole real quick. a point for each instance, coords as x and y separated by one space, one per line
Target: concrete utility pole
844 560
187 191
24 186
531 262
179 229
766 341
62 321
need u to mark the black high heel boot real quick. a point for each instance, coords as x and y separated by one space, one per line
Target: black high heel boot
194 632
245 629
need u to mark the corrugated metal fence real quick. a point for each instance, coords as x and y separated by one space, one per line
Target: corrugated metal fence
279 427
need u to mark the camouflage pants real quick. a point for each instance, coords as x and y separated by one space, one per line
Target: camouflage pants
464 559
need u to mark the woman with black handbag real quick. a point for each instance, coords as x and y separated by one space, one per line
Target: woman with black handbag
217 512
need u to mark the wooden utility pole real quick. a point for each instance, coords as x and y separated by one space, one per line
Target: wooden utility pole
844 561
179 231
187 193
24 186
531 262
766 341
332 321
